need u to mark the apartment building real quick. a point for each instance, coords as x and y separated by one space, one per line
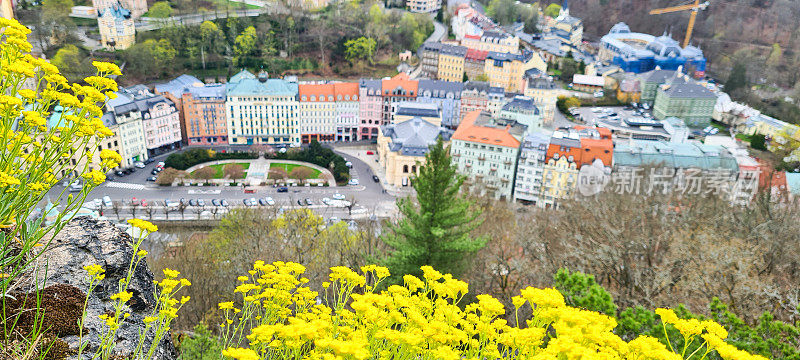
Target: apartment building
523 110
507 70
424 6
347 110
530 167
474 63
402 148
496 41
394 90
429 59
486 151
124 118
445 94
451 63
370 108
544 93
260 110
160 119
317 113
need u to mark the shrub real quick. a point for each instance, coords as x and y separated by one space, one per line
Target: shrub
320 156
192 157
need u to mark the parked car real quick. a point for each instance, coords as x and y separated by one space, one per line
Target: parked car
171 204
160 163
338 196
139 164
148 161
247 202
262 202
375 178
300 202
109 178
134 201
283 189
224 203
143 202
192 202
353 182
107 201
119 173
326 201
269 201
152 178
215 202
309 202
349 164
201 202
369 152
154 172
598 94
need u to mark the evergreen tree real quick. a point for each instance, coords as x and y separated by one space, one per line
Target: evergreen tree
435 229
737 79
464 78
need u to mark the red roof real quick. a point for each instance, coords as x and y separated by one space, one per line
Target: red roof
348 88
473 54
401 81
474 37
319 91
468 131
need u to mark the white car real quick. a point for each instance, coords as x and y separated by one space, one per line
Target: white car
107 201
75 186
596 109
598 94
338 196
353 182
326 201
139 165
269 201
172 204
348 164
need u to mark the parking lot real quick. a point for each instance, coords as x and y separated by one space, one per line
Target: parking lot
590 115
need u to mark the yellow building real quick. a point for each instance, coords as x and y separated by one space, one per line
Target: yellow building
6 9
402 148
117 31
507 70
544 93
559 178
501 42
451 63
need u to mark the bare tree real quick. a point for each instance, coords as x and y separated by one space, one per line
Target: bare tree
233 171
205 173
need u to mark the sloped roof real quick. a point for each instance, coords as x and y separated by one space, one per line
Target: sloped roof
414 137
479 127
245 84
639 153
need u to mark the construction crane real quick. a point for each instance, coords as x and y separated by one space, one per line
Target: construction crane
694 7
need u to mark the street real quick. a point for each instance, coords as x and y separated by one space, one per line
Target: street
367 197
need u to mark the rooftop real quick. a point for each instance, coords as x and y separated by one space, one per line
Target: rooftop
414 137
417 109
440 89
521 104
246 84
687 90
637 153
481 128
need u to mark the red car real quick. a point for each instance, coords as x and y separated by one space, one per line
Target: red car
134 201
370 153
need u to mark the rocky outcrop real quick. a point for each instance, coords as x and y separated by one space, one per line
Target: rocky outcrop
83 242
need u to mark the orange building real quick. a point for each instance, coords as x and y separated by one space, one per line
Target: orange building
395 90
328 112
582 145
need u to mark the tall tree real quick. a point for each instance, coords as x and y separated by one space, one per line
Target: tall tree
245 44
738 77
161 10
435 229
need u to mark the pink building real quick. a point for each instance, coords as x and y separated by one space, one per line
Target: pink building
160 119
370 109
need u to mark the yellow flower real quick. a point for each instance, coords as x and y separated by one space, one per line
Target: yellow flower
122 296
240 354
107 68
186 282
94 269
141 253
144 225
171 274
226 305
95 176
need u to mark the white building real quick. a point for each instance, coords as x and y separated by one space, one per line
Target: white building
528 182
260 110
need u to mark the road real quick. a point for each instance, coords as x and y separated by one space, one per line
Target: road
148 24
368 197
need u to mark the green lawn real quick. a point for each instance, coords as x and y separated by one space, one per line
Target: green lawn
219 167
289 167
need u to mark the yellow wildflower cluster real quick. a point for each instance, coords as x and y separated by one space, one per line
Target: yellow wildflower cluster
144 225
424 320
48 127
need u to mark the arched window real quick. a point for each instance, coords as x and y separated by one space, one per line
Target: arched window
414 169
405 169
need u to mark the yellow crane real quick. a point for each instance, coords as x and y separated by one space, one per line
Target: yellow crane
694 7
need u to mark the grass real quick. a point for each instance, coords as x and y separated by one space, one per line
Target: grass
723 130
220 173
744 137
289 167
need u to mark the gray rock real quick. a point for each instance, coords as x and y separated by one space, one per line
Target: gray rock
83 242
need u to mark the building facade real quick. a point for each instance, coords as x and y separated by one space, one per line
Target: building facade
160 119
370 108
523 110
496 41
487 153
429 59
408 110
507 70
451 63
402 148
204 115
424 6
117 31
347 110
530 167
474 64
260 110
691 102
394 90
317 113
445 94
126 122
559 179
544 93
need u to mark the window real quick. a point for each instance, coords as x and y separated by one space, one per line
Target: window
405 169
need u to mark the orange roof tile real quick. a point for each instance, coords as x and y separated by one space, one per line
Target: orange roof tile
319 91
348 88
474 54
468 131
400 80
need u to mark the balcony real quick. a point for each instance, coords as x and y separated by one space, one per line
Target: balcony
481 157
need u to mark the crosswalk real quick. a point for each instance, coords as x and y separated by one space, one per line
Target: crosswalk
122 185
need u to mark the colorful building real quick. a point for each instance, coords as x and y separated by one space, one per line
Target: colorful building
543 91
523 110
201 108
160 118
260 110
402 148
474 63
582 145
347 110
496 41
559 179
124 118
117 31
370 108
317 113
486 151
451 63
507 70
685 100
445 94
394 90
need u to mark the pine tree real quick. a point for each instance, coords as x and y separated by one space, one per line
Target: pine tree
435 228
737 78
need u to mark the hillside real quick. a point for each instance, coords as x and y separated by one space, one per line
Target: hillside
728 31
